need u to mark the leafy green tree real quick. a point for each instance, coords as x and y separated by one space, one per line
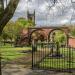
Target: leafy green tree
24 22
13 29
21 24
4 37
9 30
73 33
60 37
72 30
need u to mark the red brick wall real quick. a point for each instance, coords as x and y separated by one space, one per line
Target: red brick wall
72 42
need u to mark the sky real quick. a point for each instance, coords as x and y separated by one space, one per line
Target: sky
46 12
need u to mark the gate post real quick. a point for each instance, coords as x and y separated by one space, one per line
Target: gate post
32 55
34 48
70 59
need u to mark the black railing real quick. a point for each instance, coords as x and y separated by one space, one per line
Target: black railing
50 56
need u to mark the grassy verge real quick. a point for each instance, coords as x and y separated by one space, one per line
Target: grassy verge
11 53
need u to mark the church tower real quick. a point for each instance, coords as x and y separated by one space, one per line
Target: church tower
31 16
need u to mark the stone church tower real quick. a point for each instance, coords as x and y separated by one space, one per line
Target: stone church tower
31 16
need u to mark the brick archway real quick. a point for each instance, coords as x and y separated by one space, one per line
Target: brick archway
47 31
64 30
31 31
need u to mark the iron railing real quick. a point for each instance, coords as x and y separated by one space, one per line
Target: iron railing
51 56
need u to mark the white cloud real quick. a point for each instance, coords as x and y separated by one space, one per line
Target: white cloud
73 0
64 21
59 14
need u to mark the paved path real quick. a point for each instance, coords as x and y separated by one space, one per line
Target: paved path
22 66
14 69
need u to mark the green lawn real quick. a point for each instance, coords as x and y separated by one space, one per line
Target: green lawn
59 63
9 52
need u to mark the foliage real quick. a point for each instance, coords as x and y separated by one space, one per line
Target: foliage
12 30
59 37
72 30
8 31
24 23
4 35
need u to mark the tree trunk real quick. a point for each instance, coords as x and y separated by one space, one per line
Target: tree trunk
1 11
1 7
8 13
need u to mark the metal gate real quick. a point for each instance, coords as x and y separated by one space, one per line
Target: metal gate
53 56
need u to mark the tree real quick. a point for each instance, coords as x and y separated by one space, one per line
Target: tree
4 37
72 30
7 14
22 25
12 29
60 37
1 7
24 22
9 30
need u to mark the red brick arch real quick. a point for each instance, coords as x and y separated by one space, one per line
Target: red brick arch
48 30
65 31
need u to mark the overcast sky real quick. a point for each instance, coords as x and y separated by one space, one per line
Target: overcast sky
63 12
